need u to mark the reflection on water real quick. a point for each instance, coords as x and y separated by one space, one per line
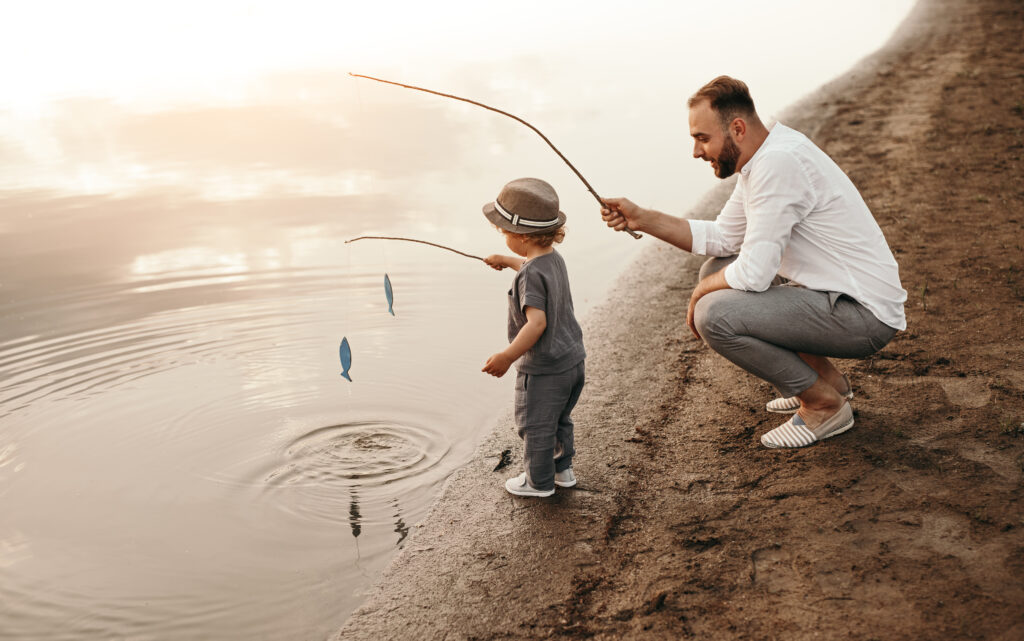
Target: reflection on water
179 453
400 527
179 457
355 519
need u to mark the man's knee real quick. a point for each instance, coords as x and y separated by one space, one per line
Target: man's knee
711 315
713 265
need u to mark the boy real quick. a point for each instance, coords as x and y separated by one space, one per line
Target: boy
545 341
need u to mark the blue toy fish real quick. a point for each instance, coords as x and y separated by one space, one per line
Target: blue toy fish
390 294
346 358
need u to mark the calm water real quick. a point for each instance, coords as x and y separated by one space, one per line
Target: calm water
179 456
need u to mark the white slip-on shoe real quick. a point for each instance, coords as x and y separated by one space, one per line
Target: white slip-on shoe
783 405
790 404
520 487
565 478
796 433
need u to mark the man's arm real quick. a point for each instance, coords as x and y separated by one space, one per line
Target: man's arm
721 237
529 334
620 212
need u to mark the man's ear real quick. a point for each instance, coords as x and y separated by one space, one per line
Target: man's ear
738 129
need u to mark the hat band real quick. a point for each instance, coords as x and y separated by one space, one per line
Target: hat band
526 222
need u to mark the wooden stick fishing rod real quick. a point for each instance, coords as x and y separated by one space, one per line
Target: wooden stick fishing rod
517 119
413 240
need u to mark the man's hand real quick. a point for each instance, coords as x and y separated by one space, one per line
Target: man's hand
696 296
619 213
497 365
712 283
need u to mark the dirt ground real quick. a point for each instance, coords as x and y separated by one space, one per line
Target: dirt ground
910 526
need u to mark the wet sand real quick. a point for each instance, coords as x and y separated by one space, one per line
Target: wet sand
910 526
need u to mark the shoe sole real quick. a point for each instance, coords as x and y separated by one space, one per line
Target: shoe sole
837 432
564 484
539 495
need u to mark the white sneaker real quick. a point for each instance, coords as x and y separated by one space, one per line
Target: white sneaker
520 487
565 478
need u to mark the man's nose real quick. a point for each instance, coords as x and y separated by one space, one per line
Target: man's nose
697 151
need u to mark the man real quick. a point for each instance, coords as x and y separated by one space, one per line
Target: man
800 269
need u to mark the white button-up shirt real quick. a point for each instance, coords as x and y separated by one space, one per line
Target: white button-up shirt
796 214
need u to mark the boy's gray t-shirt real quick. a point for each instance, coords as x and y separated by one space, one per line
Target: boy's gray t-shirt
543 282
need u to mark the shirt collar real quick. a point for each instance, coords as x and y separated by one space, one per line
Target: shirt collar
774 133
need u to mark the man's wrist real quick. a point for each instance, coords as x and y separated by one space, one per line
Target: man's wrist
642 214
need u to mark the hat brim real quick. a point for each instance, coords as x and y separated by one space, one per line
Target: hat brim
501 222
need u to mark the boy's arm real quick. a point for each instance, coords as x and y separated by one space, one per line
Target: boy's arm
536 323
499 262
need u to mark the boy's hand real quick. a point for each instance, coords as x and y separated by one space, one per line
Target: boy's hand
497 261
497 365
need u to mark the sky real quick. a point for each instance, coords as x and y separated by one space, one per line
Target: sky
240 99
139 51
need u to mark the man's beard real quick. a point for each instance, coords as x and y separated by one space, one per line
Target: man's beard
727 159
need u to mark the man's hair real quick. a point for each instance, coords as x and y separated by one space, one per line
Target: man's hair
729 97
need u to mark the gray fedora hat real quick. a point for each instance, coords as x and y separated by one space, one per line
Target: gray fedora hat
526 206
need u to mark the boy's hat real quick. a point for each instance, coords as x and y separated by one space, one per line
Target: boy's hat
526 206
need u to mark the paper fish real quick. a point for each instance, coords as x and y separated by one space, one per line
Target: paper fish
390 294
346 358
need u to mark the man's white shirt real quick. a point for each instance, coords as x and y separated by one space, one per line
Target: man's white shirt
796 214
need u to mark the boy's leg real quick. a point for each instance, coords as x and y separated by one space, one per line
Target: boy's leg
540 399
565 449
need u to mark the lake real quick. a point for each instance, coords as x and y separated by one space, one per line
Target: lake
180 457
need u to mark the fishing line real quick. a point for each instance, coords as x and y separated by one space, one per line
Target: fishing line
345 311
517 119
388 293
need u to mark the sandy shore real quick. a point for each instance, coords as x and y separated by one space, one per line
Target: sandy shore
910 526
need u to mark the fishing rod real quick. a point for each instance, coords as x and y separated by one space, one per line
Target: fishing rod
517 119
413 240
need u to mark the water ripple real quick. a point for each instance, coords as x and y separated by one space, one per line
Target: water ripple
374 453
339 472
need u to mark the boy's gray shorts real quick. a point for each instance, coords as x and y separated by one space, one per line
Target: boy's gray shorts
543 407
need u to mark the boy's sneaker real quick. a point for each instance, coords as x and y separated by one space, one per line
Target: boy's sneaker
520 487
565 478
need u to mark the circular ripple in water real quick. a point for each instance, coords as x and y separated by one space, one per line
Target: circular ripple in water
363 453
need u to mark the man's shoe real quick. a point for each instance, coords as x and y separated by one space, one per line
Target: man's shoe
520 487
796 433
790 404
565 478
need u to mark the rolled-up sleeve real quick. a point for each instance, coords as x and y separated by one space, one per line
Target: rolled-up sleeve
533 290
723 235
778 196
